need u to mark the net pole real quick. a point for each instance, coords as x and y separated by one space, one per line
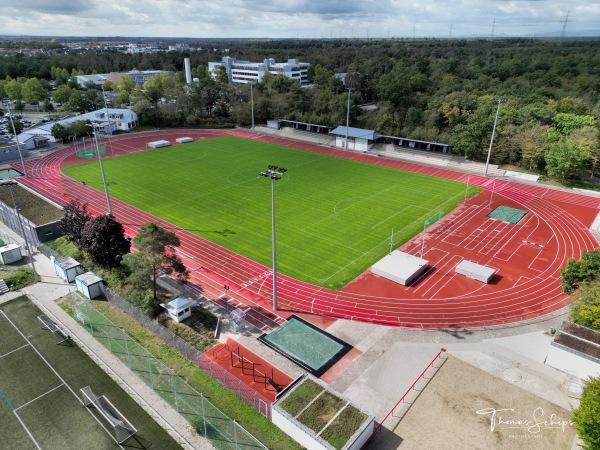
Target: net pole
392 241
492 196
467 189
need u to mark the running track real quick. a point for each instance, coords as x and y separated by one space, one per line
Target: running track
555 229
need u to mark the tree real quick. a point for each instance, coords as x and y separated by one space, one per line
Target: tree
33 91
576 272
586 416
155 255
14 89
63 93
59 131
103 238
126 84
564 159
74 220
586 310
588 139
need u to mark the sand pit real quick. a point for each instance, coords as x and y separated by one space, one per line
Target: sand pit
464 407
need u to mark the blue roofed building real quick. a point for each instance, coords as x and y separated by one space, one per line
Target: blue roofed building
357 139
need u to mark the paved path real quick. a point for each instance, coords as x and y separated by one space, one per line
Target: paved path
45 293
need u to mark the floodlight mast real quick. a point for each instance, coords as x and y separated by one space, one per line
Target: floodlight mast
348 118
274 173
12 123
487 162
10 184
108 205
252 103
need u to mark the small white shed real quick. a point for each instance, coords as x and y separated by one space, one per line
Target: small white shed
178 309
89 284
10 253
67 268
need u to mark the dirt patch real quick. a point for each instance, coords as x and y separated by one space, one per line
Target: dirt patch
465 407
33 207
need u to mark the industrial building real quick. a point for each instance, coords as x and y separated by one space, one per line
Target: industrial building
138 76
246 71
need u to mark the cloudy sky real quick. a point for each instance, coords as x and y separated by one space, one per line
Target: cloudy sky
298 18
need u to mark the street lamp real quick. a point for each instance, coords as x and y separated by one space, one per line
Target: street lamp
102 171
274 173
10 184
16 140
487 162
348 117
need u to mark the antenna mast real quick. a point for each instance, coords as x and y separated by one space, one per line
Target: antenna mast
564 28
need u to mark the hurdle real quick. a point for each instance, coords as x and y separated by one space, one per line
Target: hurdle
239 361
47 324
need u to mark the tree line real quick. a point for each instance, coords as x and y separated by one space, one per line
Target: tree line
429 89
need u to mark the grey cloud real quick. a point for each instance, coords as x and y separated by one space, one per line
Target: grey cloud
49 6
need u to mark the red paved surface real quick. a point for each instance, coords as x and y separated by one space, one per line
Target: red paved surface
221 354
529 255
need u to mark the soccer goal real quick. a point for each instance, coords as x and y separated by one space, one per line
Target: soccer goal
47 324
122 429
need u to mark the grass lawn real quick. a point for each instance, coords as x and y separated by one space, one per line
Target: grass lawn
40 381
334 216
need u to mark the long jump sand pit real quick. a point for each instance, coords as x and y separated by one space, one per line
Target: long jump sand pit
464 407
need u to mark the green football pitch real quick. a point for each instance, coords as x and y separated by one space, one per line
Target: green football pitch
40 401
334 216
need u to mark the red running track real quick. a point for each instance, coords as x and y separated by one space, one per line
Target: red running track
528 255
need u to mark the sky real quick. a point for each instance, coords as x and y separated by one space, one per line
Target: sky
301 19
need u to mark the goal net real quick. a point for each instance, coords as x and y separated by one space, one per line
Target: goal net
122 429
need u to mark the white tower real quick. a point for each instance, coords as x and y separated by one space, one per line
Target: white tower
188 71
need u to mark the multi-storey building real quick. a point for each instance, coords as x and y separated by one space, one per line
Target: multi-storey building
246 71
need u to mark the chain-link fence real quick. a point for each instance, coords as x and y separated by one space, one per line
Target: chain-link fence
10 218
235 385
178 344
251 397
47 251
208 420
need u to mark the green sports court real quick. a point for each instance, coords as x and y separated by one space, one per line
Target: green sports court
41 403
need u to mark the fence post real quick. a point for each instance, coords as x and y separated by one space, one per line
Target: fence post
235 433
203 414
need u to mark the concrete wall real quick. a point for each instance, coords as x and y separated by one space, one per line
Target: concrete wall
564 358
10 152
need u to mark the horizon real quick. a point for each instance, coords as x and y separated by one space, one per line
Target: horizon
302 19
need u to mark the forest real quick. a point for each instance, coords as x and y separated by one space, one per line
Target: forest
440 90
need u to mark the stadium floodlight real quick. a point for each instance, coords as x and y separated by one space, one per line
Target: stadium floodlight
252 103
274 173
487 162
348 118
10 184
108 205
12 123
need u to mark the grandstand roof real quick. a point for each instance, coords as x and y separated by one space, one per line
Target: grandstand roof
356 133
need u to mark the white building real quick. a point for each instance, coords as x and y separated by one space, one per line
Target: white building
246 71
117 119
138 76
357 139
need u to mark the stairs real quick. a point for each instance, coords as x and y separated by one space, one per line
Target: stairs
3 287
